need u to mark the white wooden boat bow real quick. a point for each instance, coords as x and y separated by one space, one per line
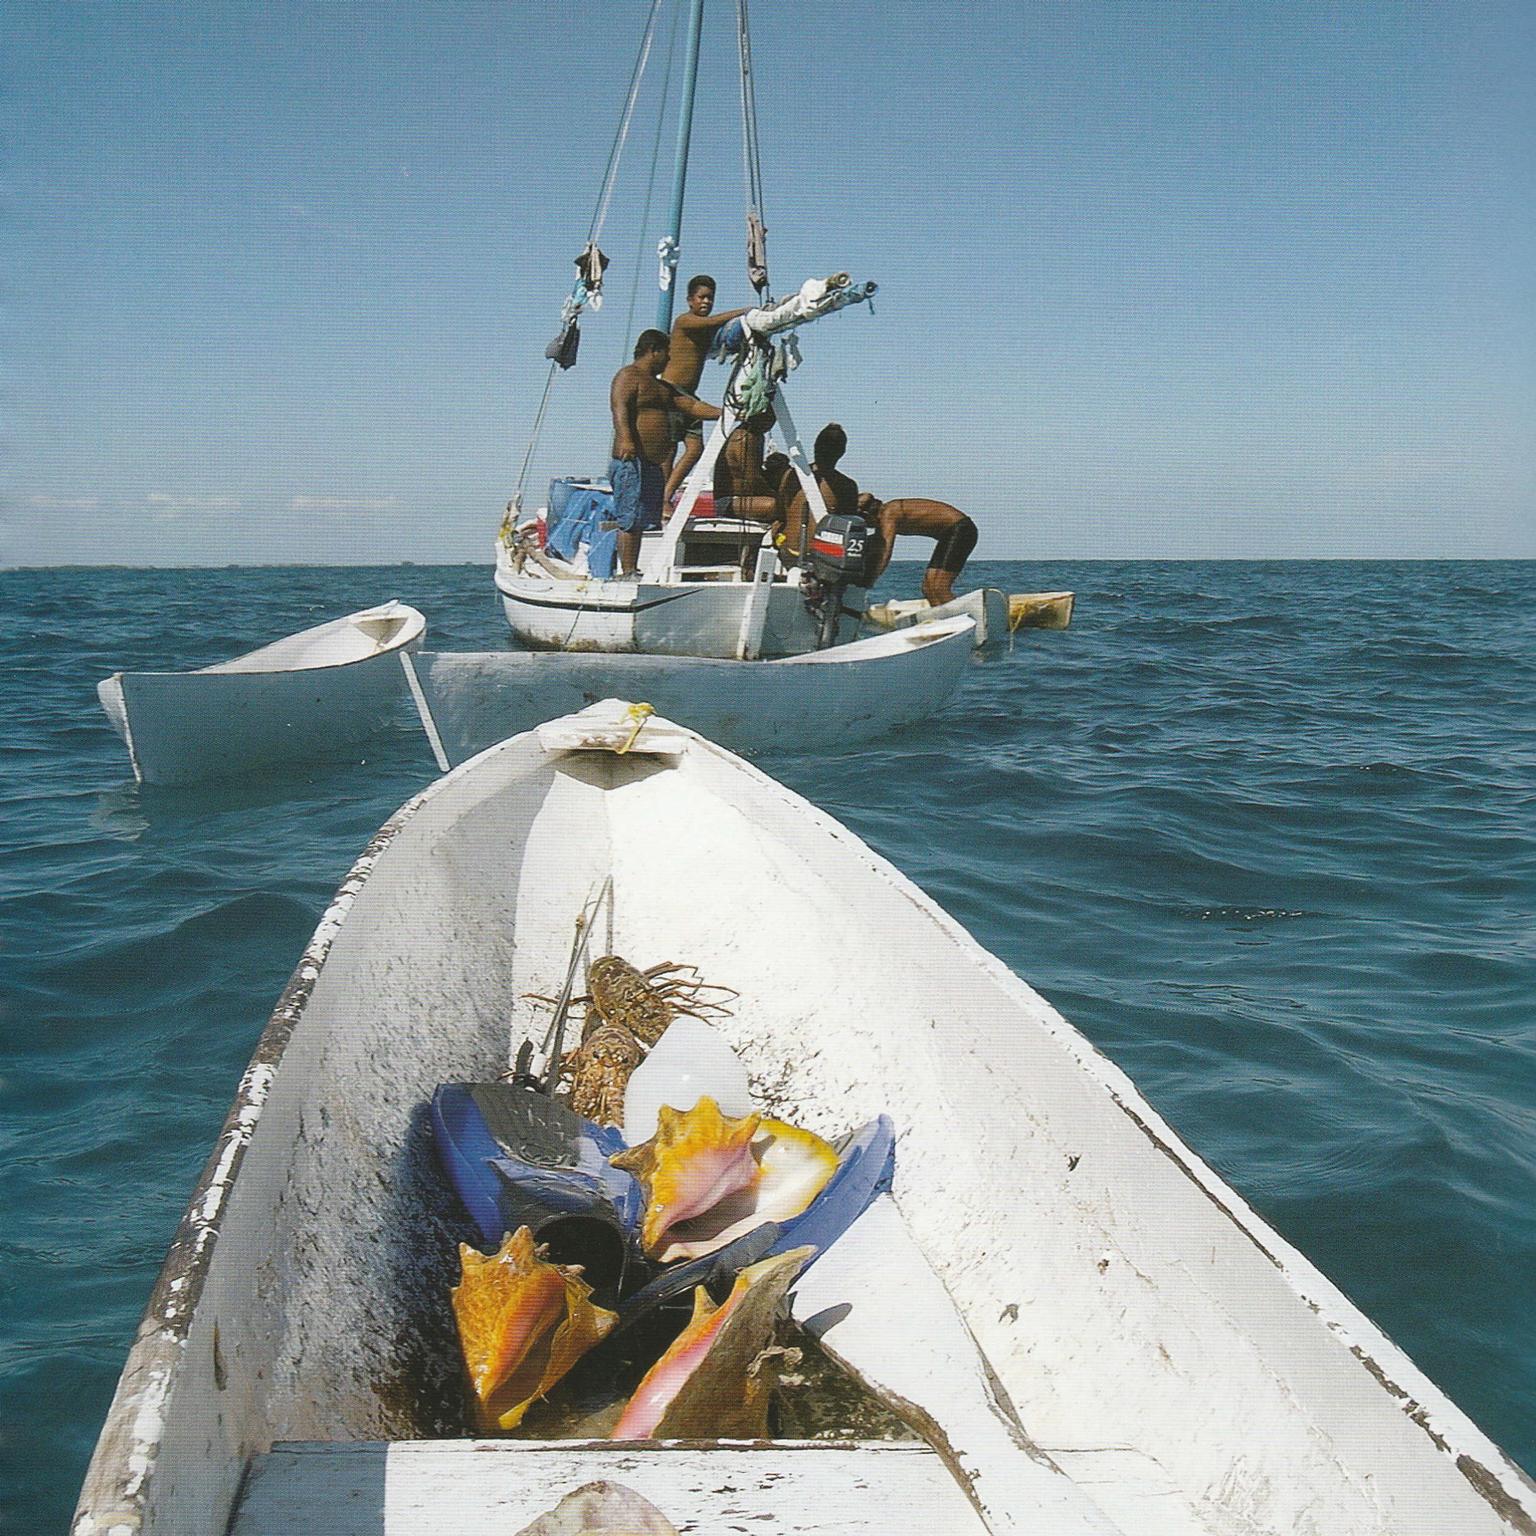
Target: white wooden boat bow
1175 1367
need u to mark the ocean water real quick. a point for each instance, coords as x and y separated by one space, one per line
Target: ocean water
1265 833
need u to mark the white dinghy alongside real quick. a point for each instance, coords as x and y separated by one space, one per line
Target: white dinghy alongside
997 613
825 700
297 700
1088 1330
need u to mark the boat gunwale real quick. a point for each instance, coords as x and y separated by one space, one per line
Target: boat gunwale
121 1490
173 1301
880 646
415 631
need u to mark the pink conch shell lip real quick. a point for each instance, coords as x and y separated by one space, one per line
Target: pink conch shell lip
696 1159
663 1380
709 1179
750 1310
793 1166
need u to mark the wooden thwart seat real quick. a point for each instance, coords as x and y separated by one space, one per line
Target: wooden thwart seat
447 1487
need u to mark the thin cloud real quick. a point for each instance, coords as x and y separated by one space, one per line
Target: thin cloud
337 229
168 507
350 506
65 503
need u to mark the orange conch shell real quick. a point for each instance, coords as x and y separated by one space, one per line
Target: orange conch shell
523 1323
709 1179
716 1379
696 1159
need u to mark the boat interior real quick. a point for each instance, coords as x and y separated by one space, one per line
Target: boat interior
719 548
353 638
1161 1363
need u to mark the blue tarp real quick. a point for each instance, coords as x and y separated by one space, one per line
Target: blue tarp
577 510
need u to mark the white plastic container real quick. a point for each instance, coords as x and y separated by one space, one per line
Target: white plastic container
690 1061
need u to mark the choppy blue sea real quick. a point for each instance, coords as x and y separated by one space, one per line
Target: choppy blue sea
1266 833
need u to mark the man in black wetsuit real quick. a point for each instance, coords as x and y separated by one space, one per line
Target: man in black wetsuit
952 532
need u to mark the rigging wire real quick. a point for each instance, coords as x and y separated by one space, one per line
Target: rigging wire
533 439
599 216
627 335
751 159
610 176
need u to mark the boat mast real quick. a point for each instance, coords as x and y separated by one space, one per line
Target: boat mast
668 249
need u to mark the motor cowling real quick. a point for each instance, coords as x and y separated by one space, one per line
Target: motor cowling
841 549
840 554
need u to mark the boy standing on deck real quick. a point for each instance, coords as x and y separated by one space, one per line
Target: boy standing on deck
643 405
693 334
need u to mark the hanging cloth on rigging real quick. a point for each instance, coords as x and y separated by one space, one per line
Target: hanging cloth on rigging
757 253
562 350
591 263
590 266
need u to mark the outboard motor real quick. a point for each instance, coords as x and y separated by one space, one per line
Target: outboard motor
839 557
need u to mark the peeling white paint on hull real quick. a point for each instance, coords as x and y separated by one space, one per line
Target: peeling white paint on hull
1188 1369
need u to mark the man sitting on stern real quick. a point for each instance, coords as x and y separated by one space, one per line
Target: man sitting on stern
745 485
839 491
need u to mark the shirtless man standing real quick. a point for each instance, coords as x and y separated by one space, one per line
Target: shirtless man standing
952 532
642 403
693 334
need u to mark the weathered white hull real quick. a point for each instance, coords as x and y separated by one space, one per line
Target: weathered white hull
826 700
1186 1368
988 606
297 701
680 618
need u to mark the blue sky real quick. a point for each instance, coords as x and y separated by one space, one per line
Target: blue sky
1158 279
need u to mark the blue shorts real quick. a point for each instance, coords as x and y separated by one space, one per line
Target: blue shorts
638 488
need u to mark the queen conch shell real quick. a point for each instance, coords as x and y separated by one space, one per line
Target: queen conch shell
709 1178
523 1323
696 1158
601 1509
716 1379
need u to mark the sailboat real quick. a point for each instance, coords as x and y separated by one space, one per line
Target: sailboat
708 584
